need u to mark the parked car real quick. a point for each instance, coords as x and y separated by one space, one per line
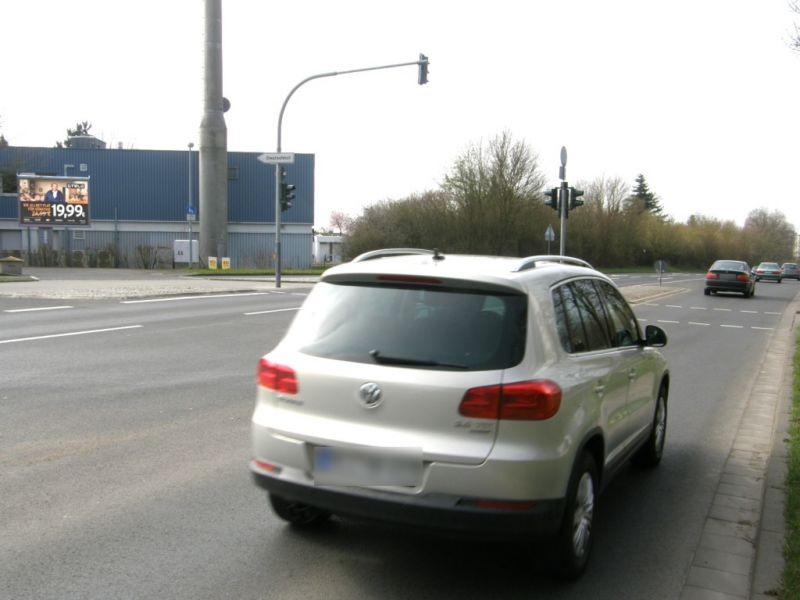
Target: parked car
481 395
790 271
769 271
730 276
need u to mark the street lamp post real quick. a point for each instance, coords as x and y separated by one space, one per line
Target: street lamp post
191 205
422 79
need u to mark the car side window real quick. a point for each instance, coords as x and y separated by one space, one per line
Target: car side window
624 326
585 325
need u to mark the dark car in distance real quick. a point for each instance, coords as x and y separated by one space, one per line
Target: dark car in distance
730 276
769 271
790 271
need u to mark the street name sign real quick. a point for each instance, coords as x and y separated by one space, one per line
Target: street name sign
277 158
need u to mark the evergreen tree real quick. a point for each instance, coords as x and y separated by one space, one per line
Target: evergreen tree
80 129
648 199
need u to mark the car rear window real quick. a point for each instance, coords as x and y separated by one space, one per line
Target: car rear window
412 326
728 265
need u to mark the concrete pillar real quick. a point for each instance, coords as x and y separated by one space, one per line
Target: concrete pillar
213 174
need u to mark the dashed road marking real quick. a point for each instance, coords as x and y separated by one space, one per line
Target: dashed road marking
266 312
19 310
57 335
203 297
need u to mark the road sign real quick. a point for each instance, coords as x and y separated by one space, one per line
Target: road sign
277 158
549 234
191 213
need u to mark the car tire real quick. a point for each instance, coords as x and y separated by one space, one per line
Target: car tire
298 514
650 454
780 280
573 541
707 292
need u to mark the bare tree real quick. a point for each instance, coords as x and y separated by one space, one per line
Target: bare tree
340 222
794 43
493 189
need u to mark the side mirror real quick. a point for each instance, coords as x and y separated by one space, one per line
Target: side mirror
655 336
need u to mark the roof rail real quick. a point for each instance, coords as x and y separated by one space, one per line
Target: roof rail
529 262
386 252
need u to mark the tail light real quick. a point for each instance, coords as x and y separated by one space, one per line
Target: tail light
277 377
523 401
742 277
711 275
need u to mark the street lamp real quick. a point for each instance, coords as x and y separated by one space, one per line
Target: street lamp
422 78
190 213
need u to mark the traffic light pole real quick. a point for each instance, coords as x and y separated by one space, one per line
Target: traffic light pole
563 205
422 64
278 189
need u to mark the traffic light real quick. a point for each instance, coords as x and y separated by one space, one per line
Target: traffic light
422 76
552 201
287 195
287 192
574 194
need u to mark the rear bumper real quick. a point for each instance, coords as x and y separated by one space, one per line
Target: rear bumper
442 513
727 286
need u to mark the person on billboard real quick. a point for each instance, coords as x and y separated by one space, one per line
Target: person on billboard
54 194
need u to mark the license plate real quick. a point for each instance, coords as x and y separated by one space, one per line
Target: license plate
367 466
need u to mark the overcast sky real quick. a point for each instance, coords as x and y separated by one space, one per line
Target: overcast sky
701 96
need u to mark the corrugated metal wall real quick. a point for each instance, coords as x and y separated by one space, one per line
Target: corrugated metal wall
153 185
132 248
142 187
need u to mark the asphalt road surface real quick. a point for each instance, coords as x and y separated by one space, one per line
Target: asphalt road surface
124 443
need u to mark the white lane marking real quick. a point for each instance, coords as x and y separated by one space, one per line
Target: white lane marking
19 310
772 313
698 308
266 312
724 309
204 297
749 312
696 323
650 304
673 322
57 335
733 326
674 306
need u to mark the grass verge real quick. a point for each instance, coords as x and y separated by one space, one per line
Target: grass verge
791 575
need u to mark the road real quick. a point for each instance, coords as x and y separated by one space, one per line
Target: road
124 441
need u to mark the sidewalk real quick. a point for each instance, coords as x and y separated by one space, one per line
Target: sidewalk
88 284
740 552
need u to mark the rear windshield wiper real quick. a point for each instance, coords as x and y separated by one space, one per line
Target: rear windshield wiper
415 362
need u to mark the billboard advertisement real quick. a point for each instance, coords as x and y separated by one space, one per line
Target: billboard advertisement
49 201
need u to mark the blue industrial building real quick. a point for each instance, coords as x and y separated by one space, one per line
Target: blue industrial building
139 204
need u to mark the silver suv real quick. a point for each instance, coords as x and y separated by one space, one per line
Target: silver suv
487 395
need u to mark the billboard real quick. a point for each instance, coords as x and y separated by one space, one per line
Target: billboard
48 200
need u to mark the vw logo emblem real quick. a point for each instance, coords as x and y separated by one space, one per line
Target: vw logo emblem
370 395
